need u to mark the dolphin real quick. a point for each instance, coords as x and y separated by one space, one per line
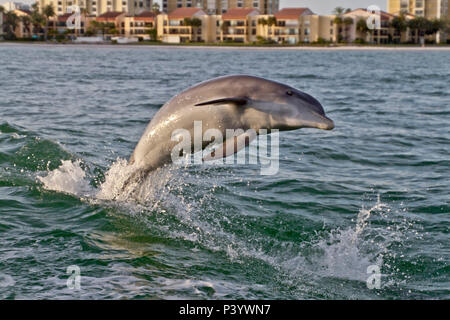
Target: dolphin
229 102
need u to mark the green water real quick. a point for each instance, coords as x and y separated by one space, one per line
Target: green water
372 192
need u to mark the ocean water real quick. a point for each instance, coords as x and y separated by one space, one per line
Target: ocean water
373 194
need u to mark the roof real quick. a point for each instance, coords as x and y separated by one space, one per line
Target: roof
145 15
22 12
64 17
110 15
383 14
182 13
238 13
292 13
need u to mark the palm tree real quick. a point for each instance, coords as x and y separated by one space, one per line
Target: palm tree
10 22
156 8
361 27
272 21
338 20
399 24
37 19
26 21
338 11
347 23
48 11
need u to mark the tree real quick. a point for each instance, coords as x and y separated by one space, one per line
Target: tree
156 8
48 11
399 24
362 28
196 23
10 23
26 21
338 11
2 9
153 34
272 21
37 19
262 21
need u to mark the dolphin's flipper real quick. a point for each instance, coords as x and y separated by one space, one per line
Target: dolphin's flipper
240 101
230 146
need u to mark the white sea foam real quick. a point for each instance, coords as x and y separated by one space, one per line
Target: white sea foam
69 177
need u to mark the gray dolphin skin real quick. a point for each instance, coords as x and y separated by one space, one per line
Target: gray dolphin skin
229 102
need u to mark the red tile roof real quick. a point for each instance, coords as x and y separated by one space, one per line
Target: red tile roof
238 13
292 13
64 17
145 15
182 13
384 15
110 15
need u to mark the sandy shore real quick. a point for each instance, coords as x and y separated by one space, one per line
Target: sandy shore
213 47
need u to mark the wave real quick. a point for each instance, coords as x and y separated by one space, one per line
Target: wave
173 203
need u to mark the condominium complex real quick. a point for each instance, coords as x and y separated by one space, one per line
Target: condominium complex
244 25
98 7
222 6
429 9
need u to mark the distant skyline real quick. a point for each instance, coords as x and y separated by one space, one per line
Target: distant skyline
317 6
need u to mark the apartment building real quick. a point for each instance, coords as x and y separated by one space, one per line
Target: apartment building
222 6
239 25
384 35
429 9
98 7
139 25
184 25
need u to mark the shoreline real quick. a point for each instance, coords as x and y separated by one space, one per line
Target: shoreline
234 47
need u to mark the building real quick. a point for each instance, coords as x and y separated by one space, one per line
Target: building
138 26
239 25
429 9
297 25
222 6
384 35
184 25
98 7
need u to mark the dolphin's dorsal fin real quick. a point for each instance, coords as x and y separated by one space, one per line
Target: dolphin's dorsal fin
230 146
240 101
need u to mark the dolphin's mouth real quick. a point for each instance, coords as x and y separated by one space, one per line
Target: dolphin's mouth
327 124
323 122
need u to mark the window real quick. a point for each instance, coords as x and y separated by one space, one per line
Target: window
419 3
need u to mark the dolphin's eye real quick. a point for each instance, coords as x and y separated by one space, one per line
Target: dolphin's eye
289 93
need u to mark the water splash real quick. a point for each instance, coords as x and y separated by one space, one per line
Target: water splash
178 204
69 178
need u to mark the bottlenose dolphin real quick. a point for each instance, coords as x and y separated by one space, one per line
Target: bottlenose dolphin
229 102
